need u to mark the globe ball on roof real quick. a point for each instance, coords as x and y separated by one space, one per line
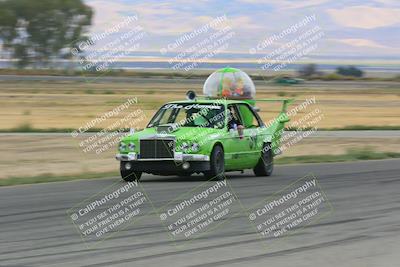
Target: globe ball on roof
229 83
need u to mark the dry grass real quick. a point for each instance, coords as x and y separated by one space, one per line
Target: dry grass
50 155
28 156
72 104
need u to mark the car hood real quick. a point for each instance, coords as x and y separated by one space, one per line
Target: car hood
181 133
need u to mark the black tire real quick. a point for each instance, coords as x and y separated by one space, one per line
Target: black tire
217 164
265 165
129 175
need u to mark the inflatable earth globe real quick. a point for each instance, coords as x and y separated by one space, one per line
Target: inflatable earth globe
229 83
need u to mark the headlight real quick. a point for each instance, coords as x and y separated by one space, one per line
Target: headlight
188 147
184 146
131 146
195 147
122 146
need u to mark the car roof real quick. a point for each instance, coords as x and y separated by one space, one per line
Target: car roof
211 101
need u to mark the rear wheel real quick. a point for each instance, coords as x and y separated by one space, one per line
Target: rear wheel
217 164
127 174
265 164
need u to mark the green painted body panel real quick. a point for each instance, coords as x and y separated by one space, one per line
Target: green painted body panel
240 153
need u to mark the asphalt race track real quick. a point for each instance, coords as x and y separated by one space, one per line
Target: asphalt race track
363 228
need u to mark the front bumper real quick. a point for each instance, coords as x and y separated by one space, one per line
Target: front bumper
181 163
178 157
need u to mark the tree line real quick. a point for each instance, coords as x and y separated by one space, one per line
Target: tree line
310 70
37 31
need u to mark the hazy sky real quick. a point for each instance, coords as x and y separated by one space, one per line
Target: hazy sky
350 27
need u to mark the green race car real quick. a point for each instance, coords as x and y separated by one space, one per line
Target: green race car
209 135
286 80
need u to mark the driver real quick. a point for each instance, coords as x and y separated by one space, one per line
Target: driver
234 121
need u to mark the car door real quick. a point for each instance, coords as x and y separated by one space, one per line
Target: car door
237 147
252 133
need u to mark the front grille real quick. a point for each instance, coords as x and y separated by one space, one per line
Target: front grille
157 148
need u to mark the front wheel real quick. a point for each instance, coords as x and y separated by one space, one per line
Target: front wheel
265 164
217 164
127 174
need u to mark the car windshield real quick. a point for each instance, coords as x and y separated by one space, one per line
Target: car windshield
190 115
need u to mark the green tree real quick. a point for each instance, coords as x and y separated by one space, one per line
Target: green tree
349 71
37 31
307 70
